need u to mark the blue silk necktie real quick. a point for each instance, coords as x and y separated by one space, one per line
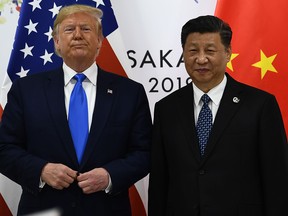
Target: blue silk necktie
78 116
204 123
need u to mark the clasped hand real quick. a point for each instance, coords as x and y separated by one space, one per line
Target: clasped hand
60 176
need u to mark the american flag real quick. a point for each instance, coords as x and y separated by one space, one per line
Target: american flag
33 52
33 49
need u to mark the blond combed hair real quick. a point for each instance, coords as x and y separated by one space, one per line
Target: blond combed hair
78 8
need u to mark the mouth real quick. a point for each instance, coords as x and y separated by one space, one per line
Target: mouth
79 45
202 70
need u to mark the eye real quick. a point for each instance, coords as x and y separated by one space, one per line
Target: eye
86 28
193 50
210 51
68 29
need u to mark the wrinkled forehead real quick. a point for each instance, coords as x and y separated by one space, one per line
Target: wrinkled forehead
80 17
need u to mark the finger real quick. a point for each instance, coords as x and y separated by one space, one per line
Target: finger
68 175
68 179
84 183
73 174
82 177
89 189
64 180
59 185
65 184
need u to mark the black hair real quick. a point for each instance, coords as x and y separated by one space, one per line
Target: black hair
207 24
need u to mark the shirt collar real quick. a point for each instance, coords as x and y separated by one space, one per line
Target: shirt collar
90 73
215 93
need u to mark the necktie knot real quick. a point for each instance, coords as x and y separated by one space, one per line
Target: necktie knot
79 77
205 98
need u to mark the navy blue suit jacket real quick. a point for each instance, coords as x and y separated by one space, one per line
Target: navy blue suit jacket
34 131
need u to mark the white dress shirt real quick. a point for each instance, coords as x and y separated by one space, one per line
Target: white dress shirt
89 85
215 95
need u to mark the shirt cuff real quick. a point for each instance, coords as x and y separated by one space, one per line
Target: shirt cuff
108 189
41 184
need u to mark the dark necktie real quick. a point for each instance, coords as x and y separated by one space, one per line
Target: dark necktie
204 123
78 116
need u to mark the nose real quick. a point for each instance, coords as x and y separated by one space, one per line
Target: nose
201 58
77 33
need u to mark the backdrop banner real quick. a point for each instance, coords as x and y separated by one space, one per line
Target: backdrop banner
142 42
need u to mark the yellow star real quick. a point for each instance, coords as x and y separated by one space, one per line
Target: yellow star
265 64
229 64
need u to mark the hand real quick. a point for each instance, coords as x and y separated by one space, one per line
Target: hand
58 176
93 181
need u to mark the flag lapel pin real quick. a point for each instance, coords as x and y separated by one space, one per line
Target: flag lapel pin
236 100
109 91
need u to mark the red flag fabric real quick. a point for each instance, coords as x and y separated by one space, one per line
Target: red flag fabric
259 45
1 111
4 210
112 63
137 206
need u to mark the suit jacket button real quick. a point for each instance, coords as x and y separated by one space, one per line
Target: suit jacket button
202 172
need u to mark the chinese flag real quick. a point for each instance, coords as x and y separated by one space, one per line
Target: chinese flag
259 45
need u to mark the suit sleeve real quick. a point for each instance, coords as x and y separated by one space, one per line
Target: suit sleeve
15 162
274 159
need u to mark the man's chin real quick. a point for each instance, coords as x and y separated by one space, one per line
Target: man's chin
79 54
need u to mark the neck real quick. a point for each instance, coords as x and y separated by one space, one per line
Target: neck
79 66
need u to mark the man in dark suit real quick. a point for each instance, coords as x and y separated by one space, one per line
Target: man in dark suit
36 145
239 167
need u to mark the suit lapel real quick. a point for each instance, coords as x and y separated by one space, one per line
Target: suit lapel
54 88
229 105
103 105
186 112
